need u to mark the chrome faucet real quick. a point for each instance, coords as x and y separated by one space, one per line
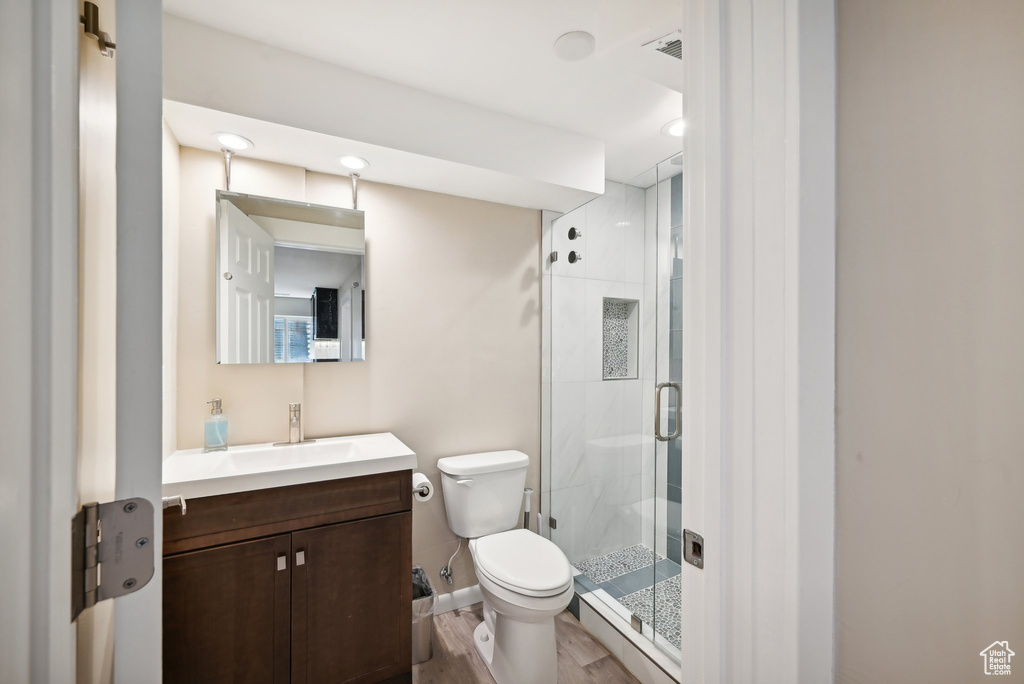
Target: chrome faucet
295 427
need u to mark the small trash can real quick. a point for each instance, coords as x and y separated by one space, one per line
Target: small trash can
423 599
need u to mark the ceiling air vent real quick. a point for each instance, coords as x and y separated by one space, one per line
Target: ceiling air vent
671 45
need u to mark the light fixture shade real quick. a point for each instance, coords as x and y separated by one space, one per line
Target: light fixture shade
675 128
353 162
575 45
233 141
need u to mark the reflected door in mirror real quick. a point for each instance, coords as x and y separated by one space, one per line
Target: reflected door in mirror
246 265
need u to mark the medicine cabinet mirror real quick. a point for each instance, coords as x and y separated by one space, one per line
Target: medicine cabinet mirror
291 281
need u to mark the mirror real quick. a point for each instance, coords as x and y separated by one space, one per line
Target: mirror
291 281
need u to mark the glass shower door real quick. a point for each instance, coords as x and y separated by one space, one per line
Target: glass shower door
666 597
612 323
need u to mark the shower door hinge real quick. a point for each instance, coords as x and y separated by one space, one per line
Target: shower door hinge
693 549
111 551
552 523
554 257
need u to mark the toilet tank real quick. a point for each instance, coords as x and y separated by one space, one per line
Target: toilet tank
483 493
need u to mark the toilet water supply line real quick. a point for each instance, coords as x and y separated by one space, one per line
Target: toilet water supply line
446 571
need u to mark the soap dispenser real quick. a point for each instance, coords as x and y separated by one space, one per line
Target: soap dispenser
216 429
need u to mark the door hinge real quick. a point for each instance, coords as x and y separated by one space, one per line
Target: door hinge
693 549
111 551
90 20
552 523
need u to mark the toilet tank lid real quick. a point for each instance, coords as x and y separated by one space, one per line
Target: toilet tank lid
486 462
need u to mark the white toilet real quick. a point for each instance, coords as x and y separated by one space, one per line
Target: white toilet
525 579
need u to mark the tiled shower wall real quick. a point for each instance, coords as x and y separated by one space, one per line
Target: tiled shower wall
605 480
594 482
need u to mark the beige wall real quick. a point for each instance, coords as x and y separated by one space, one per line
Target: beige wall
171 205
930 338
453 332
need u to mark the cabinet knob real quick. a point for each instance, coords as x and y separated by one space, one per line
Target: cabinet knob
300 558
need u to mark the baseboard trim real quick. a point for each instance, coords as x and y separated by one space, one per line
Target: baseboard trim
460 598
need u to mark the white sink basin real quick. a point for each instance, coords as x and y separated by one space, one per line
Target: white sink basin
191 473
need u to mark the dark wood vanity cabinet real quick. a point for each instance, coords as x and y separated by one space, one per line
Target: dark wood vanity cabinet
310 583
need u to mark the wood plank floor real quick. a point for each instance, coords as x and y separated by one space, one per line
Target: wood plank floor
581 659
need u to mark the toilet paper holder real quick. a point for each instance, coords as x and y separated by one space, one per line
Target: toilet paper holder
422 489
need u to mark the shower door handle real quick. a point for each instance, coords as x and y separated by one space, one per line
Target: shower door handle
657 411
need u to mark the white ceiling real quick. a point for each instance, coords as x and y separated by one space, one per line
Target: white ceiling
492 54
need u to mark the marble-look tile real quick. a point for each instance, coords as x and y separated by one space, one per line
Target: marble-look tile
614 443
633 234
605 223
568 435
647 515
560 242
568 317
676 217
572 507
617 521
596 518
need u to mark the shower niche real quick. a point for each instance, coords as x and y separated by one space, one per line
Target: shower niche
620 320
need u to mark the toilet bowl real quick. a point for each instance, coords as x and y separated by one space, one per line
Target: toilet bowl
525 579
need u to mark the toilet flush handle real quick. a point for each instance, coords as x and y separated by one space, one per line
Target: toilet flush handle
465 483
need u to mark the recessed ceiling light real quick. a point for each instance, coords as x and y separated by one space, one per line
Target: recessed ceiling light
675 128
355 163
574 46
233 141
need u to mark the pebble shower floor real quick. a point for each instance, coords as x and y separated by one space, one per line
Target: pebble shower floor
658 604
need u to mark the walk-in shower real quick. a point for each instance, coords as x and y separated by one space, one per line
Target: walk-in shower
611 466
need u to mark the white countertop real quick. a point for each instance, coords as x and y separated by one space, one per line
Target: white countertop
192 473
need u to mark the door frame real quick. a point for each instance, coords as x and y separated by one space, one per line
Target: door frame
759 338
39 281
139 616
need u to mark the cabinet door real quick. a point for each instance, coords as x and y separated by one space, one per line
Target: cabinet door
227 614
352 601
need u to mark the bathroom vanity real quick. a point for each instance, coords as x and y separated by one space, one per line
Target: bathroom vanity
305 582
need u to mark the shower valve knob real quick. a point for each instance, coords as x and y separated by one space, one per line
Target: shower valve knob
575 256
575 233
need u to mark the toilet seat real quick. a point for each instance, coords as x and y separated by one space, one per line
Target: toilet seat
522 562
